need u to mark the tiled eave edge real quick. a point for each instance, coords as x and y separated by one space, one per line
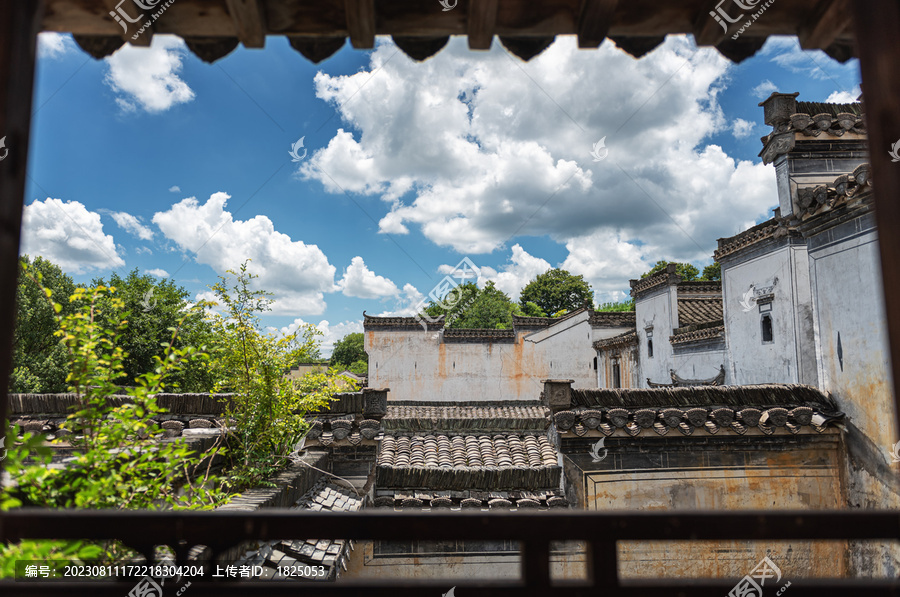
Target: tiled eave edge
687 420
700 332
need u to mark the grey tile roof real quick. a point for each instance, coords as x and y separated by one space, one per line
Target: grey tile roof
462 462
330 554
693 310
466 418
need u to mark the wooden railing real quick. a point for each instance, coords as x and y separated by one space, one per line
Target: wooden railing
534 530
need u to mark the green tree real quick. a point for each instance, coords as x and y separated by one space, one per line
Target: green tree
627 305
555 290
268 407
359 367
687 271
712 272
40 361
117 463
468 306
349 350
491 308
530 309
454 303
155 306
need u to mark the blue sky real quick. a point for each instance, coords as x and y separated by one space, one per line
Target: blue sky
152 159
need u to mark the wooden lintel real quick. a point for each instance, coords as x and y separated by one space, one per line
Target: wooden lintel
481 23
594 21
361 23
828 21
249 22
708 30
143 39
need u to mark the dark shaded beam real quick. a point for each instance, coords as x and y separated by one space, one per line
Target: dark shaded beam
361 23
594 21
828 21
385 587
249 22
19 26
164 528
481 23
707 30
878 44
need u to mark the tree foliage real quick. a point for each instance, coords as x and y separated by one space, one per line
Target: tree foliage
117 461
468 306
627 305
349 350
688 272
712 272
155 307
39 358
556 290
268 407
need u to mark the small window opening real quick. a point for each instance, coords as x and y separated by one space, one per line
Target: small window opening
650 348
617 376
767 334
595 363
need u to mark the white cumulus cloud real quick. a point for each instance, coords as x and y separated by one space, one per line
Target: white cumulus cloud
765 89
54 45
132 225
741 128
361 282
521 269
69 235
477 149
296 273
331 333
159 273
843 97
147 78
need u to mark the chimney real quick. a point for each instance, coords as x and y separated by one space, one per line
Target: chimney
777 109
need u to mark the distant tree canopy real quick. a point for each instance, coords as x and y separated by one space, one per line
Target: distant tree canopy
155 307
468 306
556 290
40 359
349 351
712 272
627 305
688 272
